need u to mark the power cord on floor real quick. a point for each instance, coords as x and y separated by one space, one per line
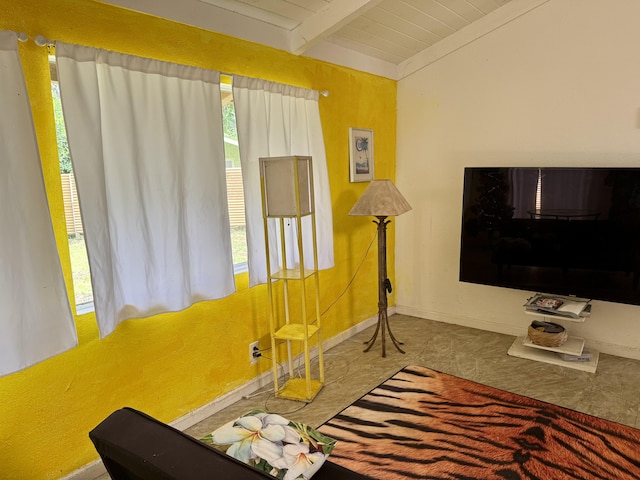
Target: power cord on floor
314 360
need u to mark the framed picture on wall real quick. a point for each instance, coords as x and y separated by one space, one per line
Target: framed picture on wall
360 155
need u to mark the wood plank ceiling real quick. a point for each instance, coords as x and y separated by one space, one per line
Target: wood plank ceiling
392 38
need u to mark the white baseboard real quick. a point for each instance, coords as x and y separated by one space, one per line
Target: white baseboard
612 349
96 469
497 327
262 380
471 322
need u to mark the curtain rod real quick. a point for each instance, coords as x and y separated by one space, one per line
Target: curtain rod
43 42
39 39
324 93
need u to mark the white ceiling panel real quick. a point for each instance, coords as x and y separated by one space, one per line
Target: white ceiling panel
466 10
485 6
404 33
439 11
410 15
399 24
396 37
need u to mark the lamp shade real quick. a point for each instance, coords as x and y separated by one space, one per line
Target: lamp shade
278 175
381 199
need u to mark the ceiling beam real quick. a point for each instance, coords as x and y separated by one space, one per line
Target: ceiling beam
338 55
327 21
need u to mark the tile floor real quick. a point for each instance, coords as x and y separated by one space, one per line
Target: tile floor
613 392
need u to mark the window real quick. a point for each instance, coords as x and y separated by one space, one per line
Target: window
77 248
235 192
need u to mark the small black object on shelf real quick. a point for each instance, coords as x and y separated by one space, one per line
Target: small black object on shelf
547 327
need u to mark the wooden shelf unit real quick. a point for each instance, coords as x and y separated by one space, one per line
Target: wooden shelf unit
287 195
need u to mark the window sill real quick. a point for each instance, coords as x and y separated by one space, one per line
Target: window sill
83 308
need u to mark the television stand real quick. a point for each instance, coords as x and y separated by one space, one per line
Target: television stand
522 347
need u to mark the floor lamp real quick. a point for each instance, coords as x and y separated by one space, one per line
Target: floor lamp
382 199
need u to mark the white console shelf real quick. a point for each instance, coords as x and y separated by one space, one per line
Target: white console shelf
523 347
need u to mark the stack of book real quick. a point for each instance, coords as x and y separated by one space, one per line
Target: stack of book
551 305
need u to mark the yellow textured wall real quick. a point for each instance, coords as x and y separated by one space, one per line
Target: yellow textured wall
170 364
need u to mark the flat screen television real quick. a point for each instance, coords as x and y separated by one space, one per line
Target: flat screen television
565 231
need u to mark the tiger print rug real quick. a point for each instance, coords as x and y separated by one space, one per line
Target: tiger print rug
423 424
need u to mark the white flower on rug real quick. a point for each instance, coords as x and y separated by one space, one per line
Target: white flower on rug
256 436
271 443
297 461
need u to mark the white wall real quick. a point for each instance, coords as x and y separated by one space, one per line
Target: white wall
558 86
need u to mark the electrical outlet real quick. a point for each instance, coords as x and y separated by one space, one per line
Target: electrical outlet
254 353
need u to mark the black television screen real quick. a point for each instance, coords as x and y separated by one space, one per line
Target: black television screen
565 231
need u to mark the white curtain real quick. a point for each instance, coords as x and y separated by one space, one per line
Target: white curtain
146 144
278 120
35 316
